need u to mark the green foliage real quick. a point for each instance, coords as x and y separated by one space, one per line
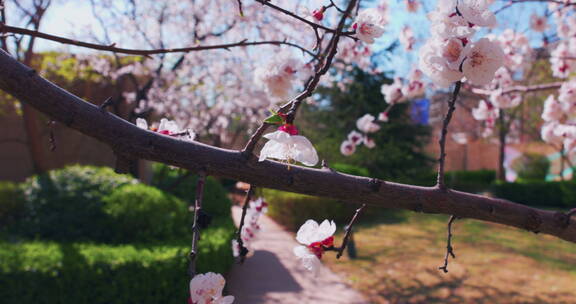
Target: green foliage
470 181
292 210
37 272
532 167
541 194
141 213
350 169
11 204
66 204
182 184
398 154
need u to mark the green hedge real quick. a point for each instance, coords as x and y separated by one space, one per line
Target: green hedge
470 181
12 206
542 194
38 272
66 204
142 213
182 184
292 210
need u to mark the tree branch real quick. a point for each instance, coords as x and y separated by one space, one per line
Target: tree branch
442 142
349 231
28 87
114 49
196 224
243 250
520 88
449 248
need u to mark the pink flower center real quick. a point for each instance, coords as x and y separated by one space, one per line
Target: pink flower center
165 132
288 128
317 248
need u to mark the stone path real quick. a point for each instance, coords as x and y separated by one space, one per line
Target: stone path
274 275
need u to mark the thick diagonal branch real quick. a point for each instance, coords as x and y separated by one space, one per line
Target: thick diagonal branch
28 87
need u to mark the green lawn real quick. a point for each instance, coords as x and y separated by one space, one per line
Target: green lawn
399 258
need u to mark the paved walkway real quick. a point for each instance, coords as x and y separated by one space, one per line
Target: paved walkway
274 275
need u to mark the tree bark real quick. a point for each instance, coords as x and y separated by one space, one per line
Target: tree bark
25 85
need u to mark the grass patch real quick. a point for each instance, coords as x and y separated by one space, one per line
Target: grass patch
398 263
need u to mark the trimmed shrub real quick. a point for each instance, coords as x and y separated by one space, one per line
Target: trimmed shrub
182 184
11 204
532 167
38 272
66 204
470 181
541 194
141 213
292 210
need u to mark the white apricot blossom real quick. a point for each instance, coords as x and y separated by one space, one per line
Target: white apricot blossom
538 23
278 75
286 145
476 12
207 289
369 25
407 38
355 137
552 109
483 58
167 127
504 101
392 92
485 111
314 239
348 148
366 124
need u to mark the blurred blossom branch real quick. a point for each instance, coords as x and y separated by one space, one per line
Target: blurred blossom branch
114 49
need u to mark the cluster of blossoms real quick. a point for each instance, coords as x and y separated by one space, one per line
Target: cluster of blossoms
449 55
167 127
366 125
251 226
558 114
370 24
315 239
561 57
396 92
207 289
286 145
277 77
400 91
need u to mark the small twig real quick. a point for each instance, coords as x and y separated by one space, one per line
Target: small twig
449 248
571 212
451 107
240 8
349 231
114 49
244 250
108 102
196 225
